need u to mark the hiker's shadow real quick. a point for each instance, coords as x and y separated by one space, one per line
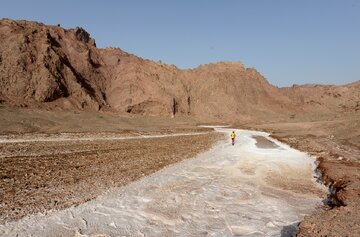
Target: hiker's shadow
289 230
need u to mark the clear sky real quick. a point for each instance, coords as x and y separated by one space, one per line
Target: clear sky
298 41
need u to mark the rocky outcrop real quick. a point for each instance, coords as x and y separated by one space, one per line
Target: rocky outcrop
326 98
51 67
42 64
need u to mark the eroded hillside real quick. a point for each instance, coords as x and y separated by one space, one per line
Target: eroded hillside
50 67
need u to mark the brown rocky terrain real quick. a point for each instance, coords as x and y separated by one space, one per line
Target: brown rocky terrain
50 67
56 80
40 176
326 99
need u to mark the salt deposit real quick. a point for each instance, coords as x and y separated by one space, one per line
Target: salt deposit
239 190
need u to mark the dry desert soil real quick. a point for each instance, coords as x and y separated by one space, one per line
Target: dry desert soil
43 171
46 167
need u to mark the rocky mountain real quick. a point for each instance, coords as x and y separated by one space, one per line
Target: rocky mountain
40 64
326 98
50 67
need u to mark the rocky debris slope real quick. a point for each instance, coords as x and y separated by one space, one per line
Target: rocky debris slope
51 67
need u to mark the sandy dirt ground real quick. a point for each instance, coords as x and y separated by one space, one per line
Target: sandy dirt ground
229 190
22 121
36 176
336 144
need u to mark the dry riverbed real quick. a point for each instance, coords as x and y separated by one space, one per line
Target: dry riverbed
37 176
336 144
249 189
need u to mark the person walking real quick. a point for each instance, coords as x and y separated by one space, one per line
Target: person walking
233 137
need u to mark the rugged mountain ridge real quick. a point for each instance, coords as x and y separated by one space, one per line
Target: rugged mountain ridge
45 63
51 67
326 98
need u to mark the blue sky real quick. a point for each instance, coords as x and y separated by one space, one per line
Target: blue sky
289 42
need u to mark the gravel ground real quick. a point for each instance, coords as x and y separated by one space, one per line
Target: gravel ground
40 176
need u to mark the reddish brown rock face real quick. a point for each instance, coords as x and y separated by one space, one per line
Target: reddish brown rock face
48 66
46 63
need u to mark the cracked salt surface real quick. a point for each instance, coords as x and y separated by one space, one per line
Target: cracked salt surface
239 190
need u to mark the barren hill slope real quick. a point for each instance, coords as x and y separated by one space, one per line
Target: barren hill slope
326 98
51 67
46 63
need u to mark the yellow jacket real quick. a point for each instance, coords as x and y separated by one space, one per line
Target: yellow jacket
232 135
